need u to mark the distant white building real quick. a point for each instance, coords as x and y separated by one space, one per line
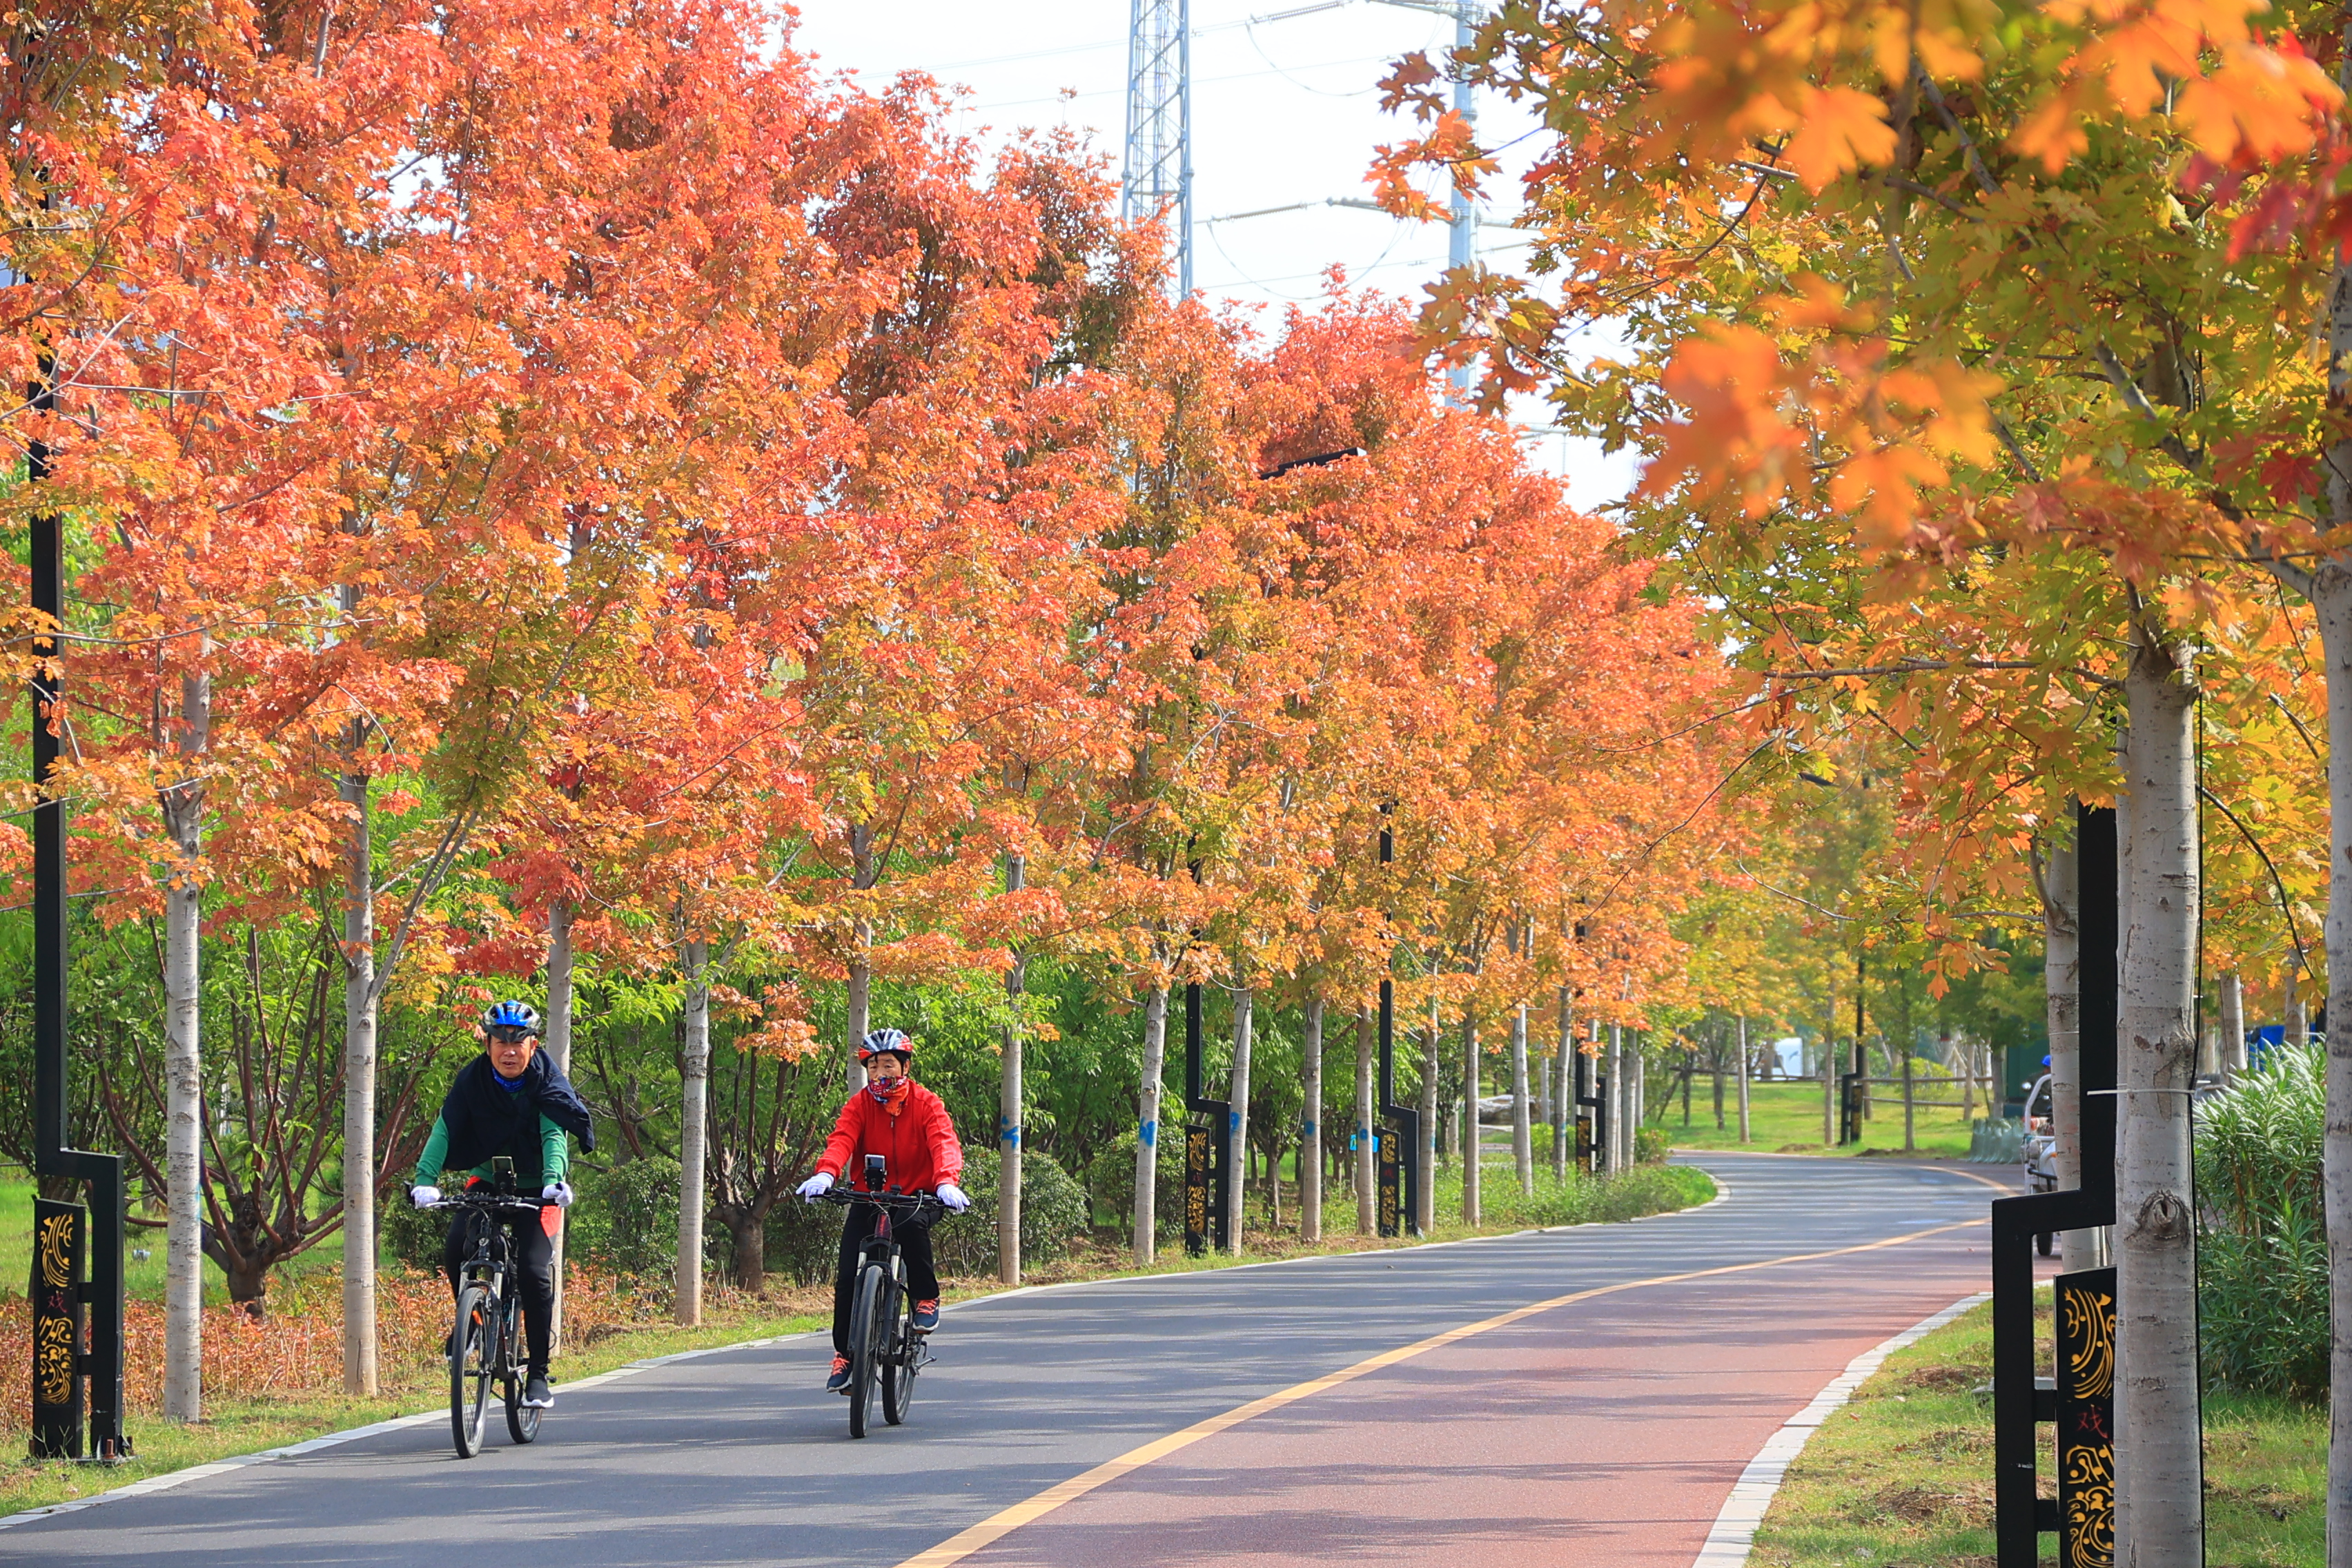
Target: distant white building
1789 1058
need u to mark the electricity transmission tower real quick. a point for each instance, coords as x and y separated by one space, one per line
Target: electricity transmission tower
1159 169
1158 175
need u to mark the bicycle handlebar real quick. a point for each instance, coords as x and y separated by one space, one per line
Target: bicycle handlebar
507 1202
912 1203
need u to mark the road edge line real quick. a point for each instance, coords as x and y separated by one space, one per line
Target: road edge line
1722 1191
209 1467
1005 1521
1733 1536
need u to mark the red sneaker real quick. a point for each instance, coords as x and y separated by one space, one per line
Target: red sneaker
927 1316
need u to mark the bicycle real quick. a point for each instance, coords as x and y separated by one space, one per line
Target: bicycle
882 1343
486 1344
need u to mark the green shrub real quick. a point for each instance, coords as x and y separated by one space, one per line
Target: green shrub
413 1235
2263 1307
1052 1214
803 1241
1650 1145
1579 1200
1110 1185
627 1218
2263 1265
2258 1141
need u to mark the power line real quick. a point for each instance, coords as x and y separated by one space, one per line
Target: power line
1121 43
1197 81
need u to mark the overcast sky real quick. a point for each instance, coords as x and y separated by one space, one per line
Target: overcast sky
1284 111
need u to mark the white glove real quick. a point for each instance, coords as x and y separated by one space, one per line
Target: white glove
424 1197
951 1198
816 1186
556 1193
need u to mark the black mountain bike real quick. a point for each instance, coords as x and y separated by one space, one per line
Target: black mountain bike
486 1345
882 1343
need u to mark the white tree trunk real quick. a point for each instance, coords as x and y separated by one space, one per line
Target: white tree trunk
2159 1515
1470 1206
1830 1128
1637 1095
865 871
1563 1090
2233 1013
693 1131
860 993
1523 1138
2295 1020
1366 1179
1612 1161
558 1046
1310 1123
1237 1097
1746 1134
1425 1197
2062 992
1009 1111
1147 1124
2332 596
184 1175
359 1088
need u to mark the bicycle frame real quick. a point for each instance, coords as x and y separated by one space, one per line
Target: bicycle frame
492 1266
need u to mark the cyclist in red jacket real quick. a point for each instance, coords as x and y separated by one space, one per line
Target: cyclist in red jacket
898 1119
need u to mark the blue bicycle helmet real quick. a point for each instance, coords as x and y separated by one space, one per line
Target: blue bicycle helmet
511 1015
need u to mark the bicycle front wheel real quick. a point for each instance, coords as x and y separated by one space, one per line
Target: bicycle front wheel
473 1361
868 1329
904 1357
522 1420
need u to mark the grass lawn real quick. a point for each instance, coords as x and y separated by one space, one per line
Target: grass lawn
241 1425
1903 1474
1786 1118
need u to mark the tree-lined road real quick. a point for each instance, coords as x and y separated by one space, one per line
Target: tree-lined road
1606 1429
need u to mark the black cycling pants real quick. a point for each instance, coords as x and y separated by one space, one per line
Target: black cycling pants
914 1248
533 1255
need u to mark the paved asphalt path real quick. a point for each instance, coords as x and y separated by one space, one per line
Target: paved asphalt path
1605 1431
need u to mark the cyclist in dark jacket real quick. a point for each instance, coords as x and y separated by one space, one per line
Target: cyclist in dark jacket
510 1100
898 1119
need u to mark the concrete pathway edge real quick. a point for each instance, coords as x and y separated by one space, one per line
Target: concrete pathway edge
1734 1534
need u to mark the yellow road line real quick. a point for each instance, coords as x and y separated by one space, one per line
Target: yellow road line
958 1547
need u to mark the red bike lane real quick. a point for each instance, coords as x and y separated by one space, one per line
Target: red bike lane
1601 1433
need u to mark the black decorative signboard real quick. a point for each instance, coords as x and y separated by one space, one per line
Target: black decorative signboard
2086 1419
1391 1182
58 1230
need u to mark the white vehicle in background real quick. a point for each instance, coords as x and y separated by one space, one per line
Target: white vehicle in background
2041 1149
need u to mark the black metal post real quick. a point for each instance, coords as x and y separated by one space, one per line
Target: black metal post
1402 1123
103 1292
2020 1400
1209 1151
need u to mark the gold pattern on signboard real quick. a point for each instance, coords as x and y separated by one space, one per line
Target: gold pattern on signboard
2091 1327
52 1361
57 1251
2089 1456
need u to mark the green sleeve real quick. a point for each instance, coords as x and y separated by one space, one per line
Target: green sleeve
436 1150
554 1152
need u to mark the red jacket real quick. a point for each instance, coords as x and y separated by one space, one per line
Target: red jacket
913 1135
